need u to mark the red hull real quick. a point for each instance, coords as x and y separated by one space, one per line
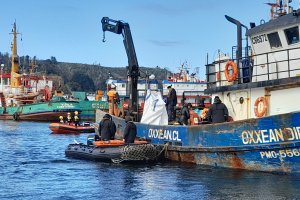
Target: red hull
70 129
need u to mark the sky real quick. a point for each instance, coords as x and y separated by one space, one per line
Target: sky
165 33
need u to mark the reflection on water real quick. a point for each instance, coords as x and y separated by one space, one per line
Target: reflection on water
33 166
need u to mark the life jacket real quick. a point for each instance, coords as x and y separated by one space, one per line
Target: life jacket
194 118
76 118
113 96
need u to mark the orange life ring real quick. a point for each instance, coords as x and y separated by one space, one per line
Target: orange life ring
231 64
264 110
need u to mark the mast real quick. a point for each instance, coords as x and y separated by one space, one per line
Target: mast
15 76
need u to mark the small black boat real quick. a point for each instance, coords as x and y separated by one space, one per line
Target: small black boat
114 151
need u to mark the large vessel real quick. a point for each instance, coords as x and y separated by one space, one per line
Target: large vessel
29 97
261 90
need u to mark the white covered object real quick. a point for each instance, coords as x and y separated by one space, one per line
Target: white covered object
155 111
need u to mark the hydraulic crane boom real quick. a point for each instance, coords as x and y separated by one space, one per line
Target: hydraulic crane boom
123 28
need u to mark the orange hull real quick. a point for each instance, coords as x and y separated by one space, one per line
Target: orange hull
70 129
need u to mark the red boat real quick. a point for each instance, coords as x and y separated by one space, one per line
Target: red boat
71 129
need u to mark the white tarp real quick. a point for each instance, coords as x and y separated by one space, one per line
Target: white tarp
155 111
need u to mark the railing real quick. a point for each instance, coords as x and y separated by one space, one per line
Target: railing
256 68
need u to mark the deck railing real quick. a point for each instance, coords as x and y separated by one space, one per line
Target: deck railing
273 65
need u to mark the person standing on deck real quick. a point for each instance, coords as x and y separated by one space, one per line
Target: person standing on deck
69 118
113 100
130 130
171 103
76 118
185 115
107 128
217 112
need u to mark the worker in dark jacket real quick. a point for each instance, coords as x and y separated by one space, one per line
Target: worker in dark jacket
107 128
130 130
217 112
171 103
185 114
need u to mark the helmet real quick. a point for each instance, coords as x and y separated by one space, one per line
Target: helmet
113 86
76 112
69 113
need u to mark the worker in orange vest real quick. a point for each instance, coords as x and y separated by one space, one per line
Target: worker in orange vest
113 100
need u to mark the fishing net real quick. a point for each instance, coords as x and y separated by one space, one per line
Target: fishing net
142 152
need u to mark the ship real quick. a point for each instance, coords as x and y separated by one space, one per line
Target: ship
260 86
29 96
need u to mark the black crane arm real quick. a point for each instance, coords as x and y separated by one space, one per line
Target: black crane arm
120 27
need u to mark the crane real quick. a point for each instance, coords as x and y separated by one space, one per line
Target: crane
120 27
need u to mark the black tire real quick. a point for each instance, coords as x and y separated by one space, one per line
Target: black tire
16 116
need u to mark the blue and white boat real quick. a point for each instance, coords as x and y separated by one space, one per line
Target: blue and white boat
261 88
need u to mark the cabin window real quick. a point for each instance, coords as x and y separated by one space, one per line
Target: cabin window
274 40
123 85
292 35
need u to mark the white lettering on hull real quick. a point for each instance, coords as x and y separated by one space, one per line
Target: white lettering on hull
164 134
270 135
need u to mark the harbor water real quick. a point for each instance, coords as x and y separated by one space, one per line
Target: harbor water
34 166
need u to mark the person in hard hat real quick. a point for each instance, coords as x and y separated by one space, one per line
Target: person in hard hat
69 118
76 118
61 119
113 100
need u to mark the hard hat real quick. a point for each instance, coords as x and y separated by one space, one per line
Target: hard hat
113 86
76 112
69 113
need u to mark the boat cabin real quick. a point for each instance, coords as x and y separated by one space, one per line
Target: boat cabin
263 79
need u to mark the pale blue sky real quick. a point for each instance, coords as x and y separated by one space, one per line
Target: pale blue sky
165 32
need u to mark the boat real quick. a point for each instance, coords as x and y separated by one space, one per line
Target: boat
260 86
65 128
115 151
189 88
32 96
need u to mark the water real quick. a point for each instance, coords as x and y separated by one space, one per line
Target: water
34 166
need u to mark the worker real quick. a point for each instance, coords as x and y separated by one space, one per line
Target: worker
61 119
130 130
171 103
107 128
69 118
185 114
113 101
217 112
76 118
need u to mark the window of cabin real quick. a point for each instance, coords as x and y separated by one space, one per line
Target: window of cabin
274 40
123 85
292 35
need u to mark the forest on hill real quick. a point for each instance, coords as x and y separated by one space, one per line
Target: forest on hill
76 76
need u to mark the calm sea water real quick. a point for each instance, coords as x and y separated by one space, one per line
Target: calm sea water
34 166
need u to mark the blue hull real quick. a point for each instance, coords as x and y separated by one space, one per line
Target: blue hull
270 144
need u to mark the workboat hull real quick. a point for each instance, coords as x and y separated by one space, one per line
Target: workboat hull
44 111
115 153
60 128
269 144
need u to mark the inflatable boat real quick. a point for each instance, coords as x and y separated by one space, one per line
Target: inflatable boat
115 151
64 128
